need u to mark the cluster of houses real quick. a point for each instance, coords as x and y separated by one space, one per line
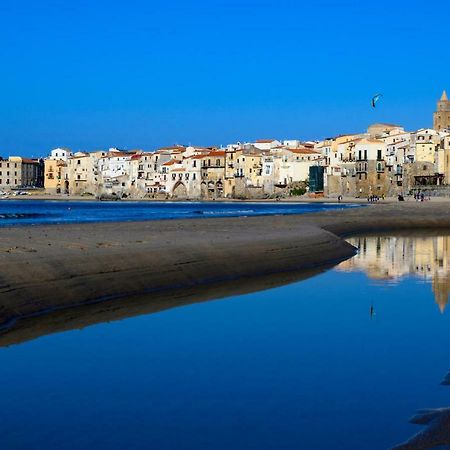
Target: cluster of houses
386 160
259 169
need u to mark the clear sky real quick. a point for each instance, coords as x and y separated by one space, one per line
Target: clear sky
142 74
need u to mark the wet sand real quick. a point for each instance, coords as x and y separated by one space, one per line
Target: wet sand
55 278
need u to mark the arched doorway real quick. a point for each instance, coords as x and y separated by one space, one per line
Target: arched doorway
204 190
219 188
179 190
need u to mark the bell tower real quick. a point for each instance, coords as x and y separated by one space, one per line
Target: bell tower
441 118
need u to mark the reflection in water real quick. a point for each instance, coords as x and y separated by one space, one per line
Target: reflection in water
436 434
389 258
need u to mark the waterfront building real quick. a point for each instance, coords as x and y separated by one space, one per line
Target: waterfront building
56 179
371 176
83 173
17 172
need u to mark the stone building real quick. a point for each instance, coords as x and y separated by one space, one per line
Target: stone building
17 172
441 118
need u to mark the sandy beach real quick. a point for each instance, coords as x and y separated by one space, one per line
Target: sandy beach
61 277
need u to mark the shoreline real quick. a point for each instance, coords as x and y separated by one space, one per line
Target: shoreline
294 199
59 277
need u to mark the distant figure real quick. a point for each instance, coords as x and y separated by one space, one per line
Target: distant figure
401 198
372 312
339 198
422 197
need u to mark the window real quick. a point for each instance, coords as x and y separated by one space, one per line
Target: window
78 162
194 164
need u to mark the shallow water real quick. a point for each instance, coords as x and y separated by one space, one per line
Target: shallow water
26 212
338 361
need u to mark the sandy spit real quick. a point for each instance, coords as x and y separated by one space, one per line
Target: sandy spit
54 278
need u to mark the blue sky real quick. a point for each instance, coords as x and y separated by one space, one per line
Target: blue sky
142 74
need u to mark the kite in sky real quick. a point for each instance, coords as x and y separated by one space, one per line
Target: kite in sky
375 99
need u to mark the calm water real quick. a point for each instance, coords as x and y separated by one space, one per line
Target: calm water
25 212
304 366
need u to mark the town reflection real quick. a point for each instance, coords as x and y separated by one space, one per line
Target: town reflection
390 258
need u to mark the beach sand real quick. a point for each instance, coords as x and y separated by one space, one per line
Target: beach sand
60 277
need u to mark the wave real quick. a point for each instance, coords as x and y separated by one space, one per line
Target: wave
8 216
236 211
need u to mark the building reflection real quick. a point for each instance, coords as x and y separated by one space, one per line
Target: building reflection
390 258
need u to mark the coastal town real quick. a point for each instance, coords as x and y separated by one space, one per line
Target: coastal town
384 161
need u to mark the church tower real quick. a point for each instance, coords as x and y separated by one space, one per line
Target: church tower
441 118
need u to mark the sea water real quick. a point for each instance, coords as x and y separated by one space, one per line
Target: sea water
338 361
37 212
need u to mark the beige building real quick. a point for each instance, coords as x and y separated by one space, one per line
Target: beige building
83 173
10 174
56 179
17 172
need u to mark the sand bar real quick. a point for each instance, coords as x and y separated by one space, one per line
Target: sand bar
56 277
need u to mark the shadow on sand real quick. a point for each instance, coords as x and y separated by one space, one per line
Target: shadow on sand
54 320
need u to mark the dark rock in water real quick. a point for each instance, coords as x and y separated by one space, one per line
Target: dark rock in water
436 435
446 380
